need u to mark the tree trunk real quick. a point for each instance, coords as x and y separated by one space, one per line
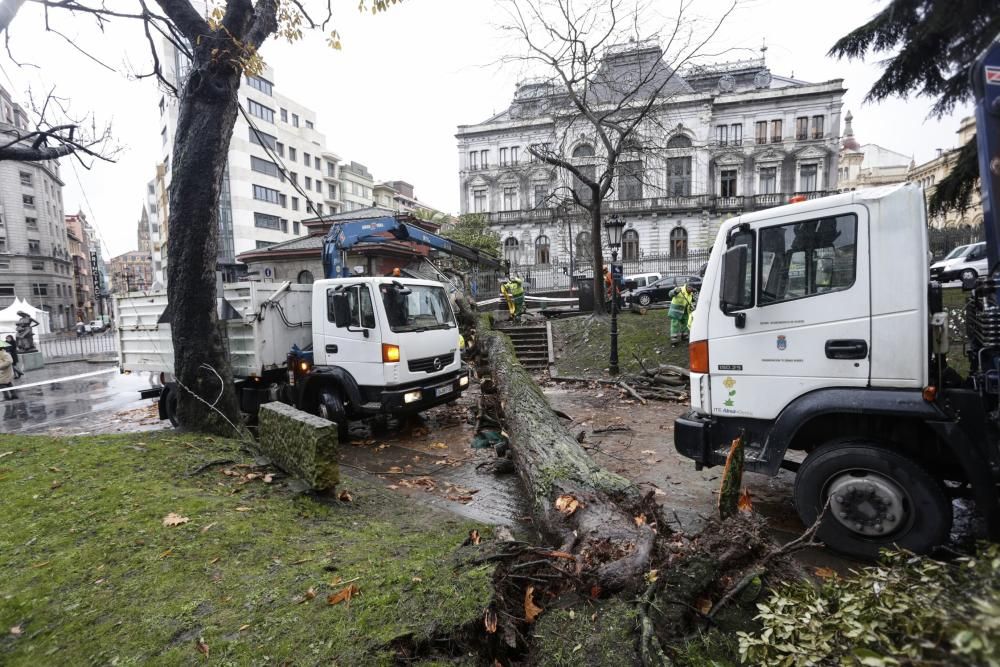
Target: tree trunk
208 108
600 304
612 547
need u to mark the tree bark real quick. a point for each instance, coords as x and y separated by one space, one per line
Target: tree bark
611 546
208 108
600 304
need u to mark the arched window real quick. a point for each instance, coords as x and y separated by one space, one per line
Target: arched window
542 250
630 245
305 277
510 249
678 242
679 141
584 248
586 150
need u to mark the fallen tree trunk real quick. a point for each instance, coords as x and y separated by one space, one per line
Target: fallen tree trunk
590 512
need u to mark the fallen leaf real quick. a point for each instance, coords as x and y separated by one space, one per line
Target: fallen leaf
704 605
659 492
744 504
309 595
166 553
392 487
302 560
490 620
42 564
55 484
345 496
474 537
395 469
416 580
268 478
651 576
567 504
343 595
202 646
214 560
1 456
640 520
174 519
336 580
531 610
15 630
243 627
243 509
439 445
209 527
825 572
54 469
650 452
595 591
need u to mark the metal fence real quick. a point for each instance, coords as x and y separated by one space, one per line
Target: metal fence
58 346
558 276
943 241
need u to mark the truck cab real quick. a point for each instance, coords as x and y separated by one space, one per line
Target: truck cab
379 346
814 333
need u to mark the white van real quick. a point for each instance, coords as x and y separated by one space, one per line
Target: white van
939 265
967 265
642 279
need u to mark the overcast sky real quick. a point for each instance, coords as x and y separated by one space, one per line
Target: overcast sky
405 79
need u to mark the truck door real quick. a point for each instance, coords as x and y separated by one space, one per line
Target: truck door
357 347
809 325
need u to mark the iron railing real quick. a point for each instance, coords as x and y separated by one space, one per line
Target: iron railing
62 346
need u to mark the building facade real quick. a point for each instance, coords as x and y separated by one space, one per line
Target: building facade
35 263
358 186
78 234
930 173
131 272
727 138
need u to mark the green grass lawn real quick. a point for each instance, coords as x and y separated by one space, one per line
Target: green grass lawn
89 573
583 344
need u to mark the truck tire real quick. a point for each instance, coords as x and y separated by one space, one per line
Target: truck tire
878 499
969 274
169 398
331 407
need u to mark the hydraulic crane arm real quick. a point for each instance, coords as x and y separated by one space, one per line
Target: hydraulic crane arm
344 236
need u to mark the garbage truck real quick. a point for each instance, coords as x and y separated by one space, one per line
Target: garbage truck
345 347
821 341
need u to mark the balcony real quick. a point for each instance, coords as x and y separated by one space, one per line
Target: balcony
664 204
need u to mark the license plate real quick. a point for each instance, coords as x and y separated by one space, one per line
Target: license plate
441 391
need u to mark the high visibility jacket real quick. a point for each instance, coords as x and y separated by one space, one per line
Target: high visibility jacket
512 288
681 304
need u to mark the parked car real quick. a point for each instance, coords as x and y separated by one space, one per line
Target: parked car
966 265
96 326
660 290
641 280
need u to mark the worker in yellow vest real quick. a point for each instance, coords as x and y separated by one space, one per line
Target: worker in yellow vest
681 313
513 291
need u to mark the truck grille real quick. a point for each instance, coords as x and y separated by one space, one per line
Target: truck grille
430 364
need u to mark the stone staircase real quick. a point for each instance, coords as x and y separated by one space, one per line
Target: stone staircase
531 344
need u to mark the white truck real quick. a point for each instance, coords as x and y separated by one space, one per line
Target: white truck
818 330
342 348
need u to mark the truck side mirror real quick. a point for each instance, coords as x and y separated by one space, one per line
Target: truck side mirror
341 310
734 279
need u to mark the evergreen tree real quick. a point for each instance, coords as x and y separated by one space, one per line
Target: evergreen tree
933 46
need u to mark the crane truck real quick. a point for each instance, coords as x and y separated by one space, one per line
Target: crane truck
345 347
820 332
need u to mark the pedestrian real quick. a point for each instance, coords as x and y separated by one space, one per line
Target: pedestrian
7 372
81 328
681 313
12 349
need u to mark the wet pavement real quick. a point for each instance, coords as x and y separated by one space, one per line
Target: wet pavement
85 398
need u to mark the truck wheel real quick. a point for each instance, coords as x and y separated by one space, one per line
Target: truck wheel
644 299
169 398
878 499
332 408
969 274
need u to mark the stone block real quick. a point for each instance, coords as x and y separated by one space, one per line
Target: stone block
30 361
301 444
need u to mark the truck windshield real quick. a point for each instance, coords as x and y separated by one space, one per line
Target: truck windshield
416 307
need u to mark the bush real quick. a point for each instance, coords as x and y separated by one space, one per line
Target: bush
907 610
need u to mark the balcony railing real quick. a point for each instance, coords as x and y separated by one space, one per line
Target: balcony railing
677 203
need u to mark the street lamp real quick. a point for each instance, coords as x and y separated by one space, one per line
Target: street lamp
614 227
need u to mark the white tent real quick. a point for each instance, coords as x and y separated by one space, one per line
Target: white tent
8 316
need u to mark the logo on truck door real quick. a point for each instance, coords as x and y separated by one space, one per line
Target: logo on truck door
782 343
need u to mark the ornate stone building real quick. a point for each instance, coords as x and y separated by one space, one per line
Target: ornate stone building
729 138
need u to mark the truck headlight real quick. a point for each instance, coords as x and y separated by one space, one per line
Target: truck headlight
411 396
463 381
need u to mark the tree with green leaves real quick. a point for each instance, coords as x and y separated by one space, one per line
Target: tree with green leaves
473 230
932 46
220 49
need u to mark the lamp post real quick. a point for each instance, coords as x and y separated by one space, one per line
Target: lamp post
614 227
